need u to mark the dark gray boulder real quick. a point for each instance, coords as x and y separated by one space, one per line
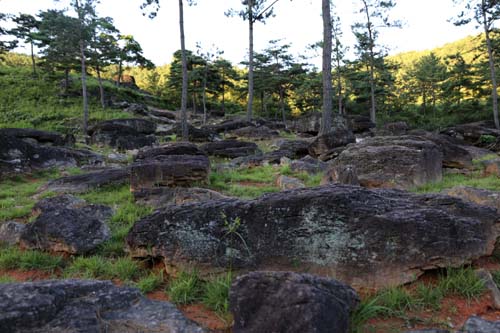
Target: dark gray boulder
393 162
229 125
361 236
163 196
360 124
255 132
85 307
202 134
476 195
20 156
306 124
340 135
39 137
477 134
67 224
290 302
89 181
299 148
124 134
230 148
344 174
169 170
309 165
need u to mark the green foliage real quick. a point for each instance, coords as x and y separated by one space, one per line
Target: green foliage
368 308
487 139
451 180
216 293
97 267
463 282
150 282
186 288
13 258
496 277
428 296
6 279
395 301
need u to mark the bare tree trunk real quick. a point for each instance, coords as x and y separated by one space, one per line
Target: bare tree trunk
494 92
223 106
266 110
339 84
184 121
250 60
205 75
101 88
282 105
84 88
326 123
373 108
120 70
33 64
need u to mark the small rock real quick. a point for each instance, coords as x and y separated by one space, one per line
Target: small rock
491 167
289 183
491 286
345 174
479 325
10 232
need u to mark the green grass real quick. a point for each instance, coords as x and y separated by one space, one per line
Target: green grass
428 296
462 281
98 267
451 180
366 310
216 293
395 301
13 258
150 282
6 279
186 288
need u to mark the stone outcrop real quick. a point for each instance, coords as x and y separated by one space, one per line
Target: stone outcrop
39 137
163 196
340 135
309 165
290 302
299 148
177 148
89 181
344 174
230 148
203 134
393 162
255 132
20 156
474 133
85 306
67 224
229 125
169 170
361 236
124 134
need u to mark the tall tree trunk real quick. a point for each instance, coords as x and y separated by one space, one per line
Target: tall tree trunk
205 78
494 92
184 121
84 88
250 60
373 108
33 64
101 87
266 110
66 80
339 84
223 106
120 70
282 105
326 123
262 102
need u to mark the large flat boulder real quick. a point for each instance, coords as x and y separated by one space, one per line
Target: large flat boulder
393 162
38 136
361 236
163 196
229 125
169 170
67 224
480 134
255 132
177 148
85 306
230 148
202 134
290 302
20 156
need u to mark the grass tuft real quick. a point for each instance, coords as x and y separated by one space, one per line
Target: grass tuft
13 258
462 281
186 288
216 293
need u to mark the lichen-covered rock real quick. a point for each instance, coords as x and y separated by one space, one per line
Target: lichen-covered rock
39 137
344 174
340 135
229 125
85 306
290 302
20 156
89 181
299 148
361 236
479 325
203 134
478 134
289 183
491 167
230 148
169 170
255 132
393 162
309 165
177 148
67 224
10 232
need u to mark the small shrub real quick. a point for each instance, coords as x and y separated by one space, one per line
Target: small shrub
216 293
487 139
150 283
185 289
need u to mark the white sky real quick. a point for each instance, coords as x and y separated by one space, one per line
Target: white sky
297 22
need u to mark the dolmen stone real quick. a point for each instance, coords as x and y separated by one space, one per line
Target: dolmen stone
230 148
86 306
363 237
124 134
67 224
393 162
290 302
176 164
19 155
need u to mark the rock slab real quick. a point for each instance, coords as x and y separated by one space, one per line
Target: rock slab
361 236
290 302
85 306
